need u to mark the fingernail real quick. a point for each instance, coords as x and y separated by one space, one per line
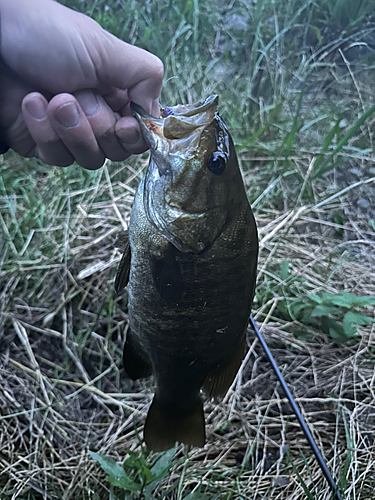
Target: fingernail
36 108
67 115
89 103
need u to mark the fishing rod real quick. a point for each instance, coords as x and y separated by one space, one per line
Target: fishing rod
309 437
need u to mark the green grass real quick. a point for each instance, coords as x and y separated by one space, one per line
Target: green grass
295 80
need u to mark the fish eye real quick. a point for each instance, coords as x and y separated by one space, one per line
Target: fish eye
216 163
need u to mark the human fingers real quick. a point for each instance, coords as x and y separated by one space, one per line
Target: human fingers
127 128
48 146
74 129
61 131
79 142
103 122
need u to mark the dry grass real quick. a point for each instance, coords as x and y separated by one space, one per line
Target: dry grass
63 390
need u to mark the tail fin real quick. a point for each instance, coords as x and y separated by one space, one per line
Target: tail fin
160 433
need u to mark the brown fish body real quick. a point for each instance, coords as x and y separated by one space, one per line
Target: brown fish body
189 302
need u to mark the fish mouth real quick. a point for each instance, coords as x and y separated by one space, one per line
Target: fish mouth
178 128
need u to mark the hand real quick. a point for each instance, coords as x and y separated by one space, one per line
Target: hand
66 85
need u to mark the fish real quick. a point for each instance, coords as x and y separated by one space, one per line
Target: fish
189 262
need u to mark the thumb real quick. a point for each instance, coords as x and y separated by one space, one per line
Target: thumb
128 67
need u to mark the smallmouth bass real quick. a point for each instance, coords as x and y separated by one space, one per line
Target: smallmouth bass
190 266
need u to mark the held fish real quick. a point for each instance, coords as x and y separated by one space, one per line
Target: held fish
190 265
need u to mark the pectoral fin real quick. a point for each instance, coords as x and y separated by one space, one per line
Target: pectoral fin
166 276
221 378
162 433
122 276
136 362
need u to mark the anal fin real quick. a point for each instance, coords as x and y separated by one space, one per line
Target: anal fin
221 378
161 433
136 362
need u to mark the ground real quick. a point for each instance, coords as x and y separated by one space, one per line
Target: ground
295 86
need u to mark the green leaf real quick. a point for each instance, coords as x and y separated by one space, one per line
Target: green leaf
248 142
146 474
295 308
290 137
349 330
334 330
339 217
349 300
146 35
318 34
117 475
148 490
327 297
322 310
303 335
315 298
284 270
126 484
136 462
160 470
343 299
308 493
109 465
364 301
353 318
337 335
164 462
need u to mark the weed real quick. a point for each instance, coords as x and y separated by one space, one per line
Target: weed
336 314
137 474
